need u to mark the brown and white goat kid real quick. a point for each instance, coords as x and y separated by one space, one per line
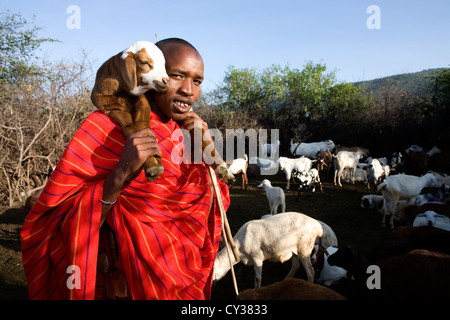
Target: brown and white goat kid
119 90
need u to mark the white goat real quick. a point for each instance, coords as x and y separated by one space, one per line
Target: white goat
239 166
269 149
275 238
402 186
289 164
275 195
310 149
328 273
345 159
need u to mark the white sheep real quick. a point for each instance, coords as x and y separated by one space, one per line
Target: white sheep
275 238
431 218
275 195
289 164
402 186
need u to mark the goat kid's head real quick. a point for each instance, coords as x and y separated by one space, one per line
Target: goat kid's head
143 68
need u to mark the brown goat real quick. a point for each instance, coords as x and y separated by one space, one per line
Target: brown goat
119 90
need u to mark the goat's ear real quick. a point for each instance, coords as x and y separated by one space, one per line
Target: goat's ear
128 72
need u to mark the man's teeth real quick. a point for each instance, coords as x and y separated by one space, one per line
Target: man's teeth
182 104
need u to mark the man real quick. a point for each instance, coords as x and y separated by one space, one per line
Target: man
101 230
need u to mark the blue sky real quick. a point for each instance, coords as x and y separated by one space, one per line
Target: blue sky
413 35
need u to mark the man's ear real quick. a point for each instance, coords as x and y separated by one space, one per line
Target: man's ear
128 72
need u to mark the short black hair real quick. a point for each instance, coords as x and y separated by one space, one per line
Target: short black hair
166 43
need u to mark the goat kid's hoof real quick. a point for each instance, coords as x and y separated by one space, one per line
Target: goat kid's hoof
153 168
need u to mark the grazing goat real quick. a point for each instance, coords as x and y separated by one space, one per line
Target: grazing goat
239 166
310 149
275 195
291 289
119 90
289 164
345 159
402 186
276 238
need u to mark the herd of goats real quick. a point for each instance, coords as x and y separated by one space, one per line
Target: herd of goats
411 187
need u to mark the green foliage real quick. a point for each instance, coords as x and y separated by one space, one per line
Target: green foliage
19 43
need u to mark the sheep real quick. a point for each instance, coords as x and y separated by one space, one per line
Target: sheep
276 238
291 289
275 195
310 149
411 211
345 159
370 201
431 218
402 186
239 166
289 164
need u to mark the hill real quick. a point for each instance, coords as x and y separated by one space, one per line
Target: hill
418 83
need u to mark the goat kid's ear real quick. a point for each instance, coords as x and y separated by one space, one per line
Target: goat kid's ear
128 72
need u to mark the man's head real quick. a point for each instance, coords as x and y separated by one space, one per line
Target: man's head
184 66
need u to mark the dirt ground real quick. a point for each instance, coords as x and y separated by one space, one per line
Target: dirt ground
338 207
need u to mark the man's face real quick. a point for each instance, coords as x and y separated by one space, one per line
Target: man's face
185 69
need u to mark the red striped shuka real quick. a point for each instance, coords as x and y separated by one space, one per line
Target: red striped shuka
167 234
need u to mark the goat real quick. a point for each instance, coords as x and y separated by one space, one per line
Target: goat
325 273
119 90
308 179
239 166
275 195
289 164
269 149
345 159
402 186
277 238
310 149
291 289
324 162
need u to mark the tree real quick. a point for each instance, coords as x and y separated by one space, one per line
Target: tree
19 43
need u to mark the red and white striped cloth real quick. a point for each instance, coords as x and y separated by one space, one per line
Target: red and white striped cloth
167 235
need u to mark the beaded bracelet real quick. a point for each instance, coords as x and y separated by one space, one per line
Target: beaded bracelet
107 202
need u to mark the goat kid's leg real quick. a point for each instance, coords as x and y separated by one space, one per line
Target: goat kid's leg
120 109
153 166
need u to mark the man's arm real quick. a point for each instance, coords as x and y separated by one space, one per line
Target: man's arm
138 147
